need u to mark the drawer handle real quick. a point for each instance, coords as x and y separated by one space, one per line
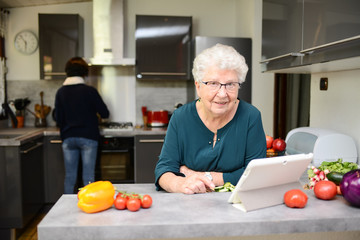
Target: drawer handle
32 148
310 50
162 74
293 54
151 140
55 141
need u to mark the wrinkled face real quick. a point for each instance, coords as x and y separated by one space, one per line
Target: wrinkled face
220 101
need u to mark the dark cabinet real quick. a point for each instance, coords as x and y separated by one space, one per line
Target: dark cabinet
21 183
331 30
61 36
163 47
54 169
328 21
303 33
147 151
32 179
282 28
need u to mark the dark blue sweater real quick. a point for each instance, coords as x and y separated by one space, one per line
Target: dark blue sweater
76 109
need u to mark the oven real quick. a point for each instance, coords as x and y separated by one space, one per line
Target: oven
115 161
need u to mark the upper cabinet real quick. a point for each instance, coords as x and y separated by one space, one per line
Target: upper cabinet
163 47
282 30
61 37
300 35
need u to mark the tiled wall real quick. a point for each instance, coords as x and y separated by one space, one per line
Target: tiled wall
156 95
31 90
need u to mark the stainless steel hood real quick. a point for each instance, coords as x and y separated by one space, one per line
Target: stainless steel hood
108 28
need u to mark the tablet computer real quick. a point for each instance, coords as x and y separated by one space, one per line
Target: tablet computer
265 181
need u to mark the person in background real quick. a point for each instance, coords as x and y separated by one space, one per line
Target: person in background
77 110
211 140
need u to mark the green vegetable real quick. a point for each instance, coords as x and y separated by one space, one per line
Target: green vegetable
337 166
227 187
335 177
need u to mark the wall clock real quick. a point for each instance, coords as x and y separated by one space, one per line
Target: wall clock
26 42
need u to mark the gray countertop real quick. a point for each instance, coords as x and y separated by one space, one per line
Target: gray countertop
17 136
207 215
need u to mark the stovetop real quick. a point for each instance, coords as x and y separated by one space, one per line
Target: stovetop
116 126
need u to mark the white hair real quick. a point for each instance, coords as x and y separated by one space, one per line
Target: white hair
223 57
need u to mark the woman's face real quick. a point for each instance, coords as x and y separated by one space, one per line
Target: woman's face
221 101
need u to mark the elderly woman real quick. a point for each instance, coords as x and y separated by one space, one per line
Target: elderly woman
211 140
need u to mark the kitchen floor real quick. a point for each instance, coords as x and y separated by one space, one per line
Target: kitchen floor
30 231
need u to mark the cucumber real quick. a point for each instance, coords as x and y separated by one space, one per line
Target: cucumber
335 177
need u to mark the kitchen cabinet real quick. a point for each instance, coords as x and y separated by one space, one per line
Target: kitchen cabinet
21 183
61 37
54 170
147 151
163 47
304 33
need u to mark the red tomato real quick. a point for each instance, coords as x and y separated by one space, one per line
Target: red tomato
146 201
325 190
135 195
269 141
120 202
295 198
121 194
133 204
279 144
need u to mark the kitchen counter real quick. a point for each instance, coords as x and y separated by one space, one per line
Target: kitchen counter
17 136
207 215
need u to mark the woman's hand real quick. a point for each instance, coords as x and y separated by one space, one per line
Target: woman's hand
196 184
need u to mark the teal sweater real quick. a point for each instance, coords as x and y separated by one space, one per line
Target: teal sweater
189 142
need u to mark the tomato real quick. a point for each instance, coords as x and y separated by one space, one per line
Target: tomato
120 202
325 190
279 145
295 198
134 195
133 204
121 194
269 141
146 201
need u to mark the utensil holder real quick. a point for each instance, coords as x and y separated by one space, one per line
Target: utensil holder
20 116
40 122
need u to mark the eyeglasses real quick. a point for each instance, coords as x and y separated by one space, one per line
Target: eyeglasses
215 86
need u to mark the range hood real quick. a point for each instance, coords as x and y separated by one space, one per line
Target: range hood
108 28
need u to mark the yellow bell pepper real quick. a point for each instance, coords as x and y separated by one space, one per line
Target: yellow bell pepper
97 196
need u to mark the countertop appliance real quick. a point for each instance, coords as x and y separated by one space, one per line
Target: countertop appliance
242 45
157 118
325 144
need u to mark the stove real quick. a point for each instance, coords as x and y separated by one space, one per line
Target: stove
116 153
116 126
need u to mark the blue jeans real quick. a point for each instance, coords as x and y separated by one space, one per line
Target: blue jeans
72 148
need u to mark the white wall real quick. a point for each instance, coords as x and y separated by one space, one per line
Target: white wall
338 107
262 83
